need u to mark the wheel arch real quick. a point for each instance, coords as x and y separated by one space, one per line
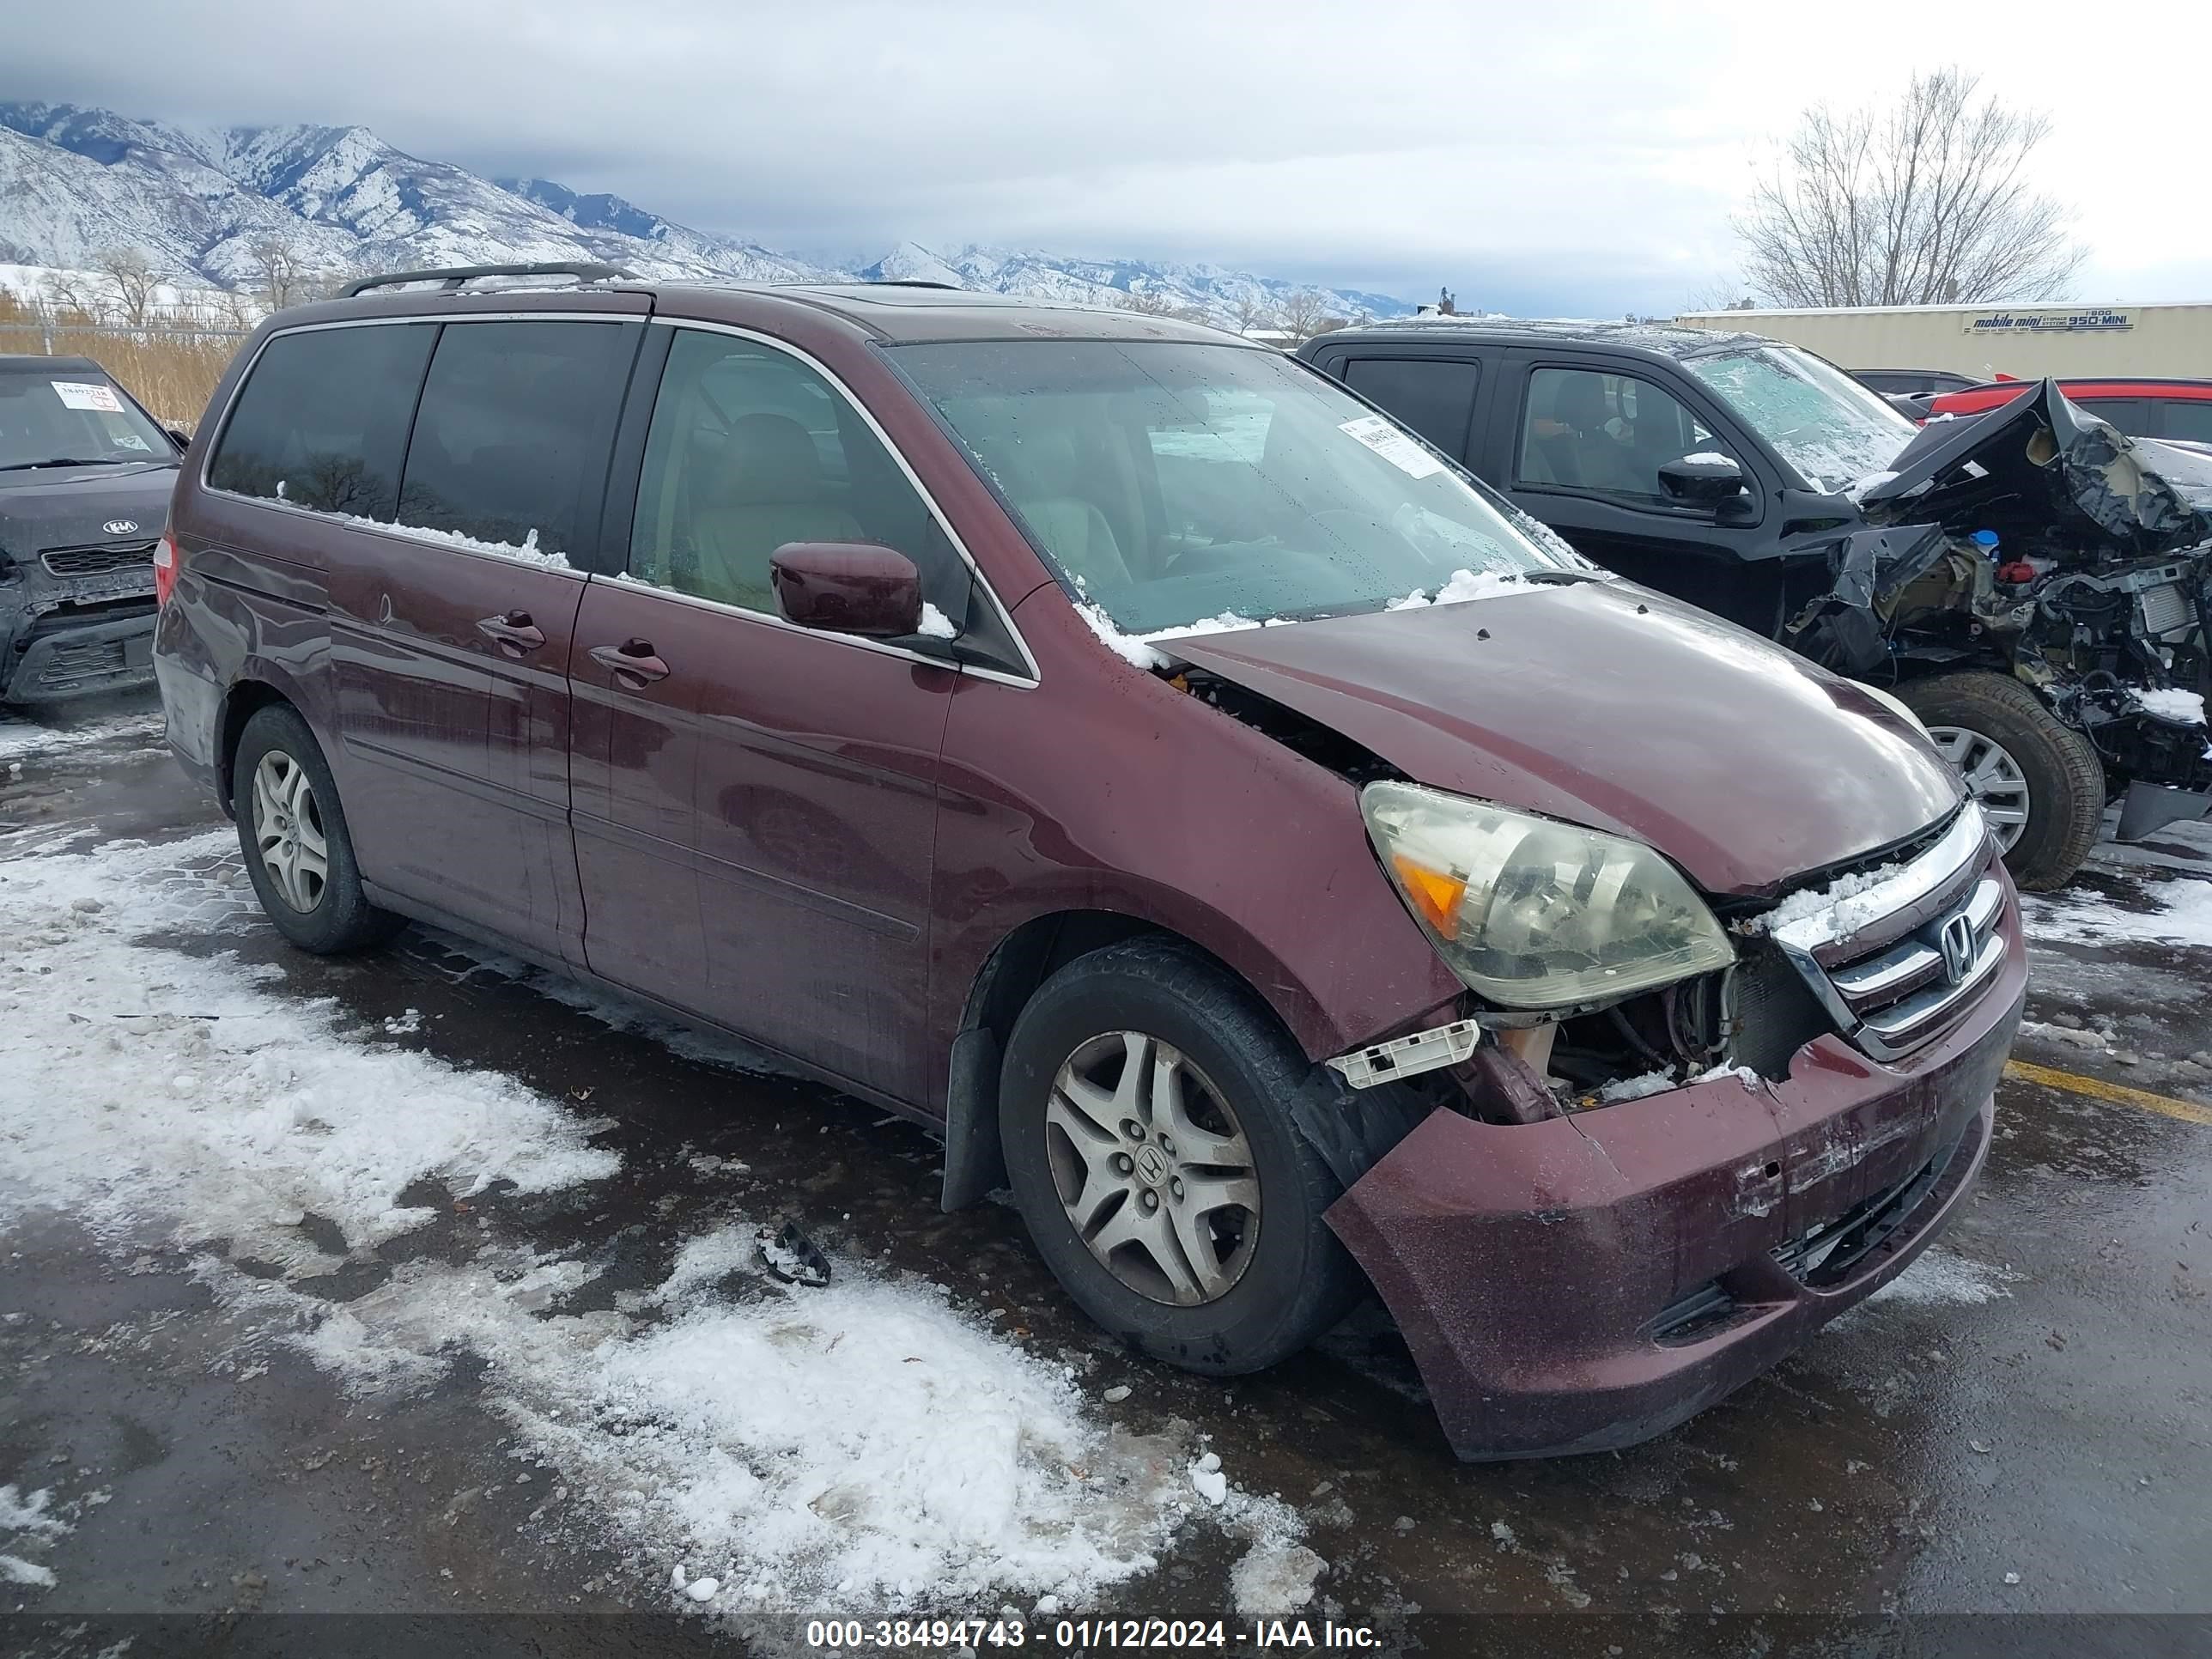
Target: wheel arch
245 699
1011 975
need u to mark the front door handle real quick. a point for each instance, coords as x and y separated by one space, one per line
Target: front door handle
632 663
513 633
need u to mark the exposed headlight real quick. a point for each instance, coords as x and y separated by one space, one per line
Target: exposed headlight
1534 914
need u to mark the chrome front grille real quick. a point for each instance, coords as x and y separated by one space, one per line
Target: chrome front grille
1896 995
96 560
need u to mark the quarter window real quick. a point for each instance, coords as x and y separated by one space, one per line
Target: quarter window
512 434
750 449
1606 435
322 420
1435 396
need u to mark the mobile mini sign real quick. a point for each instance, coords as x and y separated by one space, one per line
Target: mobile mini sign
2092 321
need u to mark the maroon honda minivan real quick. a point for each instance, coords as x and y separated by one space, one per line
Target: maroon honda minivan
1284 866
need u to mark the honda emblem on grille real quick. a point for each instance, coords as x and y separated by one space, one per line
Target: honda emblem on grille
120 526
1956 940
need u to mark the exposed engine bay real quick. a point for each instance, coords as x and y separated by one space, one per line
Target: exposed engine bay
2038 541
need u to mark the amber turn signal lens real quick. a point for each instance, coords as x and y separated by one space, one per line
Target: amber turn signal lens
1437 894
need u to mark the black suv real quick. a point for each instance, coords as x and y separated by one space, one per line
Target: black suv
85 476
2034 585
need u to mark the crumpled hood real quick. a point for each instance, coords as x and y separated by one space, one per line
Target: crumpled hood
71 506
2040 466
1609 705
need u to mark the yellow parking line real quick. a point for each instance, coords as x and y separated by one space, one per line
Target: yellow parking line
2097 1088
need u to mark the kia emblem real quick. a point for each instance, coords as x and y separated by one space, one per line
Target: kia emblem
120 526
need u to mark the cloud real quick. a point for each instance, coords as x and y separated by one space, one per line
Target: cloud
1583 160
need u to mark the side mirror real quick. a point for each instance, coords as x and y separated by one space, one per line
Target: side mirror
1706 479
182 440
848 587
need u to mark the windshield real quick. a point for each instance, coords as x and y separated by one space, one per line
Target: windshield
1174 483
61 414
1833 430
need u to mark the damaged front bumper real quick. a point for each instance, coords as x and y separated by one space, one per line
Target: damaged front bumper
63 636
1586 1282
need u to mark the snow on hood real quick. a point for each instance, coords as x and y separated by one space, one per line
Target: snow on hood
1606 705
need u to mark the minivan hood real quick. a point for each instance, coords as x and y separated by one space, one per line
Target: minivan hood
1610 706
2040 463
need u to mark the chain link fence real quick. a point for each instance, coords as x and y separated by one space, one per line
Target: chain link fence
170 363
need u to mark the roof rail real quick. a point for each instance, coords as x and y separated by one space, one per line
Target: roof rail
455 276
911 281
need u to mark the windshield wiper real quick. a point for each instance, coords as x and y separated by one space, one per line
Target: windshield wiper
67 460
1560 577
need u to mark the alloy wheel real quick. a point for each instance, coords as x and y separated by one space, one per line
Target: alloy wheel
1993 778
1153 1168
288 829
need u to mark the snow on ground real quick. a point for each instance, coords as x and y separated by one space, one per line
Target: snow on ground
2184 915
179 1086
797 1446
23 736
1944 1277
26 1525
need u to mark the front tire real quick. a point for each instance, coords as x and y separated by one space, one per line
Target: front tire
1145 1113
2040 781
292 831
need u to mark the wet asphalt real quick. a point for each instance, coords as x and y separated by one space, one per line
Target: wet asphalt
2014 1456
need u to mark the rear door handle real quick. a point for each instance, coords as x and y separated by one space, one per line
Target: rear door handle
632 663
513 633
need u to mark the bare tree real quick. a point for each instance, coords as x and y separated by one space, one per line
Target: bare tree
285 268
1930 201
1254 313
1304 314
136 281
1151 302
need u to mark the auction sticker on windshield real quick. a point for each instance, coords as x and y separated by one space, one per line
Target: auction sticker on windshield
1392 444
81 394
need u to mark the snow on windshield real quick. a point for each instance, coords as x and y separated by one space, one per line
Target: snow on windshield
1821 421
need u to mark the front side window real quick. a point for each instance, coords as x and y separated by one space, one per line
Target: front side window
322 420
1605 434
514 431
1824 423
58 415
1170 483
750 449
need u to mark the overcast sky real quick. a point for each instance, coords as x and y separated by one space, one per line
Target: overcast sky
1580 161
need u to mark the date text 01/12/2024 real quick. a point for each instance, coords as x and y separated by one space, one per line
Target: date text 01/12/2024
1083 1634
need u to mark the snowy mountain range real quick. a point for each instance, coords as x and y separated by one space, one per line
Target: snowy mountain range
76 182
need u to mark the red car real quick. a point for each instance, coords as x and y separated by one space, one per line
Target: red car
1122 750
2141 408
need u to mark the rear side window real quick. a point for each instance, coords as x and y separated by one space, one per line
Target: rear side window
2129 415
1435 396
750 449
512 438
2185 418
322 420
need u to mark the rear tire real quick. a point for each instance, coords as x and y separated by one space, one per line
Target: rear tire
1998 731
292 831
1208 1251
